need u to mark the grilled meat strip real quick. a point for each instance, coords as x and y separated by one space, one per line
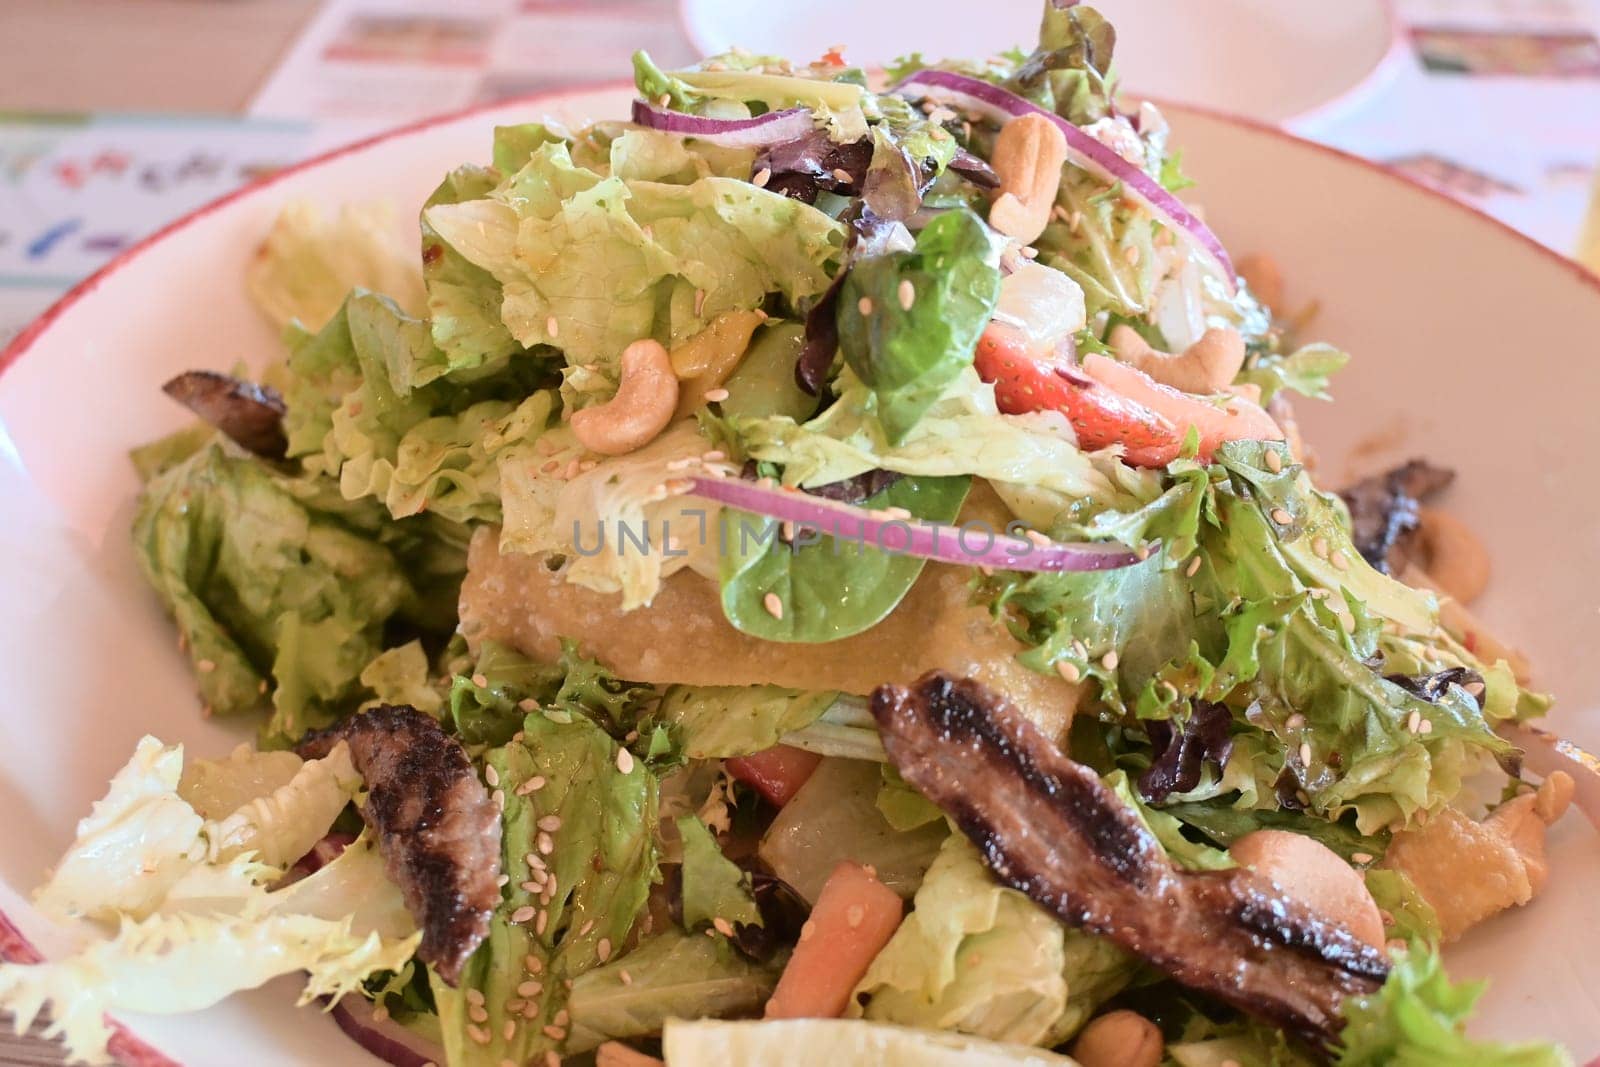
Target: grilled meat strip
1383 508
438 830
251 414
1050 828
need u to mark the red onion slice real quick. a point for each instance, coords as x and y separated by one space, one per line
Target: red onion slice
944 542
383 1037
774 127
1544 753
975 94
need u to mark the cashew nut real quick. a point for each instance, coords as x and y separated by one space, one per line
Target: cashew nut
643 405
1119 1039
1315 876
1207 366
1452 555
1028 157
1264 277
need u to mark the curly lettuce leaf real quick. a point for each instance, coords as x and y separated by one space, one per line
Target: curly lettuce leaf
981 959
605 261
908 356
195 920
962 433
1418 1018
715 722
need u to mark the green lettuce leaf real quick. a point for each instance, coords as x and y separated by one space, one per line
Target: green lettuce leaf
672 975
263 584
571 910
713 886
714 722
1417 1018
908 356
982 959
829 588
607 261
307 263
1306 371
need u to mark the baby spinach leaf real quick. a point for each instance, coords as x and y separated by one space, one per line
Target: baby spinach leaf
826 588
909 321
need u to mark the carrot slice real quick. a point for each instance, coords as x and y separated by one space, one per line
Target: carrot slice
777 773
854 917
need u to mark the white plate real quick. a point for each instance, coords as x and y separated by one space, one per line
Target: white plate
1272 60
1469 342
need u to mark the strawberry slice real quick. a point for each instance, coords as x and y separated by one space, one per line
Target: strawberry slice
1101 417
1221 418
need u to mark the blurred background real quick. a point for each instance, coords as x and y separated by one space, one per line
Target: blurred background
117 116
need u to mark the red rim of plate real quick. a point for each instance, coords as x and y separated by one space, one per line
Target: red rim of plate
14 946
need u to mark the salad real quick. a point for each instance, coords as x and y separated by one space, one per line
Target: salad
823 569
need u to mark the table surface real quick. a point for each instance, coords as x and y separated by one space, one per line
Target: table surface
124 53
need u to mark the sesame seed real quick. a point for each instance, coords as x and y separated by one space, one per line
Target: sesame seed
562 1017
499 798
552 327
1075 222
546 844
699 302
586 927
528 886
262 688
864 305
475 996
602 949
550 822
526 787
541 922
1426 727
1305 753
627 979
532 964
206 666
536 783
1109 660
491 775
553 1059
1319 546
908 294
842 176
530 989
763 176
1338 560
1282 517
716 396
522 914
1361 857
722 926
478 1034
854 915
716 455
1029 252
1475 688
807 929
509 1031
1193 567
1295 721
665 100
1068 670
554 1032
1039 539
1132 255
624 761
1274 461
1413 721
503 881
774 605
